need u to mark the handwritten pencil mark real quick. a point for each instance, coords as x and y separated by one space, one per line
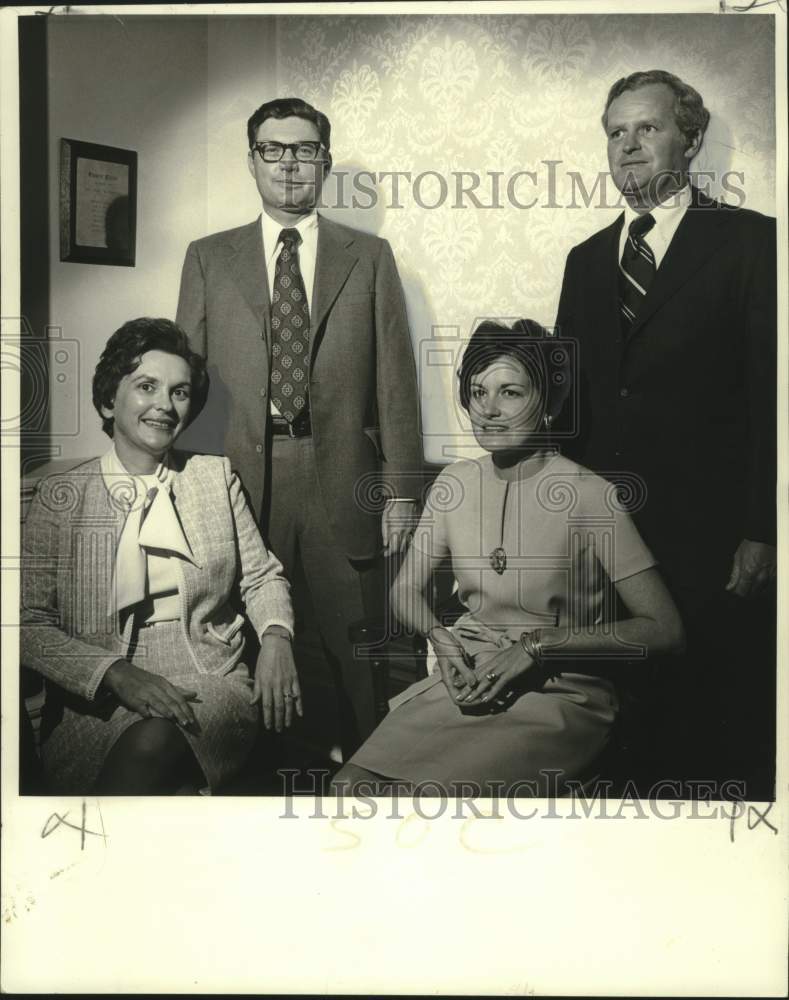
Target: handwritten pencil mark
56 820
754 818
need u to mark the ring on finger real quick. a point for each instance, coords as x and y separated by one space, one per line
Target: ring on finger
491 675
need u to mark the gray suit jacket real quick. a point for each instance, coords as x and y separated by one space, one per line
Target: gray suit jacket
68 555
363 388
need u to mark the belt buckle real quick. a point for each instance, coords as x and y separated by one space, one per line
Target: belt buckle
301 426
280 425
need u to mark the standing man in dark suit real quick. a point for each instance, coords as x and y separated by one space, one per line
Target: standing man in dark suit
303 322
674 308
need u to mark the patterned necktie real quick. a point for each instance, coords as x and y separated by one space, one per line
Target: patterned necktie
636 270
290 327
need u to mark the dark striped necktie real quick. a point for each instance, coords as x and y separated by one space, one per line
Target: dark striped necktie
290 327
636 270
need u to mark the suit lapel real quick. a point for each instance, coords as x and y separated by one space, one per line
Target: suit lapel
605 272
248 267
693 244
333 265
190 511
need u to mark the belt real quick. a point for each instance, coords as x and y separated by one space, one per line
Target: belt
299 428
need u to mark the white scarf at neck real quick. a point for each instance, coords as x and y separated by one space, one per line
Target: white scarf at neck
151 523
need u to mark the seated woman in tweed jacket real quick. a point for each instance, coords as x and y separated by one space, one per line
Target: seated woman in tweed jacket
130 567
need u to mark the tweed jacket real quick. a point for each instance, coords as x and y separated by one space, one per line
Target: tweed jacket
69 543
362 376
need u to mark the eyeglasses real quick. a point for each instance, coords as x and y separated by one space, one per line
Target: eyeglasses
272 152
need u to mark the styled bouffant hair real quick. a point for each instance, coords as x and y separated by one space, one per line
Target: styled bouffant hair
122 356
289 107
525 341
690 114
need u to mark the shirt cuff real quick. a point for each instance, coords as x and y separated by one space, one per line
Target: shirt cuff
275 621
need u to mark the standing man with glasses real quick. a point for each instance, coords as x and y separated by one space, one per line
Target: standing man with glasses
303 323
674 308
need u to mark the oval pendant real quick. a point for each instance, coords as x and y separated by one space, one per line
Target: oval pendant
498 560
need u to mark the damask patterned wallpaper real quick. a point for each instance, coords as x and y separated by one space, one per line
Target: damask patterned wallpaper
449 101
492 96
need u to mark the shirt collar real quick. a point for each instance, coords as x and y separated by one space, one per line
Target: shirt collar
666 215
125 487
271 230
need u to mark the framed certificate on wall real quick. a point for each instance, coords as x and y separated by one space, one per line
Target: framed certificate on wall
98 204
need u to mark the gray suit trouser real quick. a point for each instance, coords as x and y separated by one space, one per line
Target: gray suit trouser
295 526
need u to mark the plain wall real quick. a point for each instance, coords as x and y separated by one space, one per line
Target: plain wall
410 93
141 85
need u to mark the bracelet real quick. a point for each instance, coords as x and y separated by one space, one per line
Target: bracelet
532 644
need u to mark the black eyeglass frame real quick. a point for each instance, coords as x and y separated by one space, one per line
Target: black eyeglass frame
315 146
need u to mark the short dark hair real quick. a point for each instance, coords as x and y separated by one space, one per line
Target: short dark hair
289 107
690 114
122 354
525 341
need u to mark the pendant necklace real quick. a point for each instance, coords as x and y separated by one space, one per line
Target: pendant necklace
498 557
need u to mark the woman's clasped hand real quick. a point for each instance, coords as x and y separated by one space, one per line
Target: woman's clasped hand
456 666
494 681
501 676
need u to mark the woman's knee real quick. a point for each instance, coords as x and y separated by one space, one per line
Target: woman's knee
154 740
152 755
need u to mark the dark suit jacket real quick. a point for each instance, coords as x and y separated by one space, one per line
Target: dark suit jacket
363 390
688 400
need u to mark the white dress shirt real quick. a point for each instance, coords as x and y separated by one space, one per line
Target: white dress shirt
667 216
308 257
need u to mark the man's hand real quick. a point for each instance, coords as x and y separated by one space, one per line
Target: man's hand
753 568
399 520
276 682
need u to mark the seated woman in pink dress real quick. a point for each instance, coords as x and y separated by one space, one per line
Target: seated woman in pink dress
510 708
133 564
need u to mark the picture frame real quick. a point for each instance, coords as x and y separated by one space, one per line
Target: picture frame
98 204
